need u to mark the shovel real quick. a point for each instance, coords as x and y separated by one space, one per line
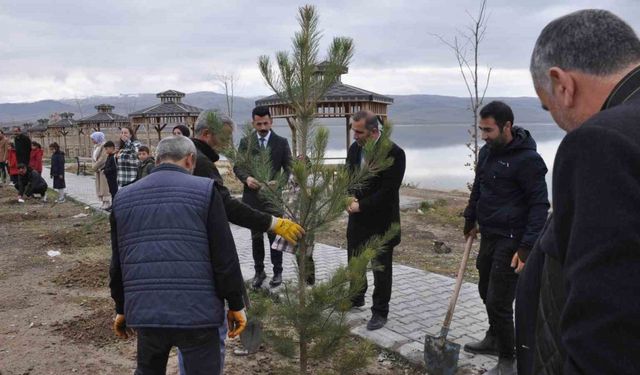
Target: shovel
440 355
251 337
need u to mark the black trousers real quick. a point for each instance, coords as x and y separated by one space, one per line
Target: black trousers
382 277
3 171
497 288
200 350
257 244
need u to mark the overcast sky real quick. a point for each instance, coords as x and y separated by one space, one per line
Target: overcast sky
74 49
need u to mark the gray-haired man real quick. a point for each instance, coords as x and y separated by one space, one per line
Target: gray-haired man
586 71
174 261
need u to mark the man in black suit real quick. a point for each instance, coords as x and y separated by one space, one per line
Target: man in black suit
372 211
280 161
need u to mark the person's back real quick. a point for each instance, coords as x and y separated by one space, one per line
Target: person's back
22 144
173 262
178 204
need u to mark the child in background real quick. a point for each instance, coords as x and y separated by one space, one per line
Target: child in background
147 162
35 158
110 169
57 170
12 162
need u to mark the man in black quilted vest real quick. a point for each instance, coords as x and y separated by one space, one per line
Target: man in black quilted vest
174 263
586 71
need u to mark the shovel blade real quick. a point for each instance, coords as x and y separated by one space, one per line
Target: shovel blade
441 356
251 337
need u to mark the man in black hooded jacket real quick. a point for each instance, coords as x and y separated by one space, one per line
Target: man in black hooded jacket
509 202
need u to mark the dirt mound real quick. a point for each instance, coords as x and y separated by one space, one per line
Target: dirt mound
94 329
83 236
85 275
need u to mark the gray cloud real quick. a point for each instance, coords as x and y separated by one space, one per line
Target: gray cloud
79 48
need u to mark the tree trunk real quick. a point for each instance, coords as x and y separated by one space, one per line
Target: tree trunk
294 137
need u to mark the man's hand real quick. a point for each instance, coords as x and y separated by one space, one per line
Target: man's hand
470 230
120 327
517 263
289 230
237 321
353 207
252 183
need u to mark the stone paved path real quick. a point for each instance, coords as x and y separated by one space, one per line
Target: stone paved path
418 303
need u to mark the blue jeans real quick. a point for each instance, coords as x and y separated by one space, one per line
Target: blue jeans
222 334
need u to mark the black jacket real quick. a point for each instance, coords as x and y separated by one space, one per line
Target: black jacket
589 305
237 212
22 144
379 199
509 195
32 182
280 162
110 171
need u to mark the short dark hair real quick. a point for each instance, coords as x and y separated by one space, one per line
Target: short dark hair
109 144
592 41
499 111
371 120
55 146
34 143
22 166
144 149
260 111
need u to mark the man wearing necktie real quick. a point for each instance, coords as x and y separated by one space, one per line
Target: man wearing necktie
280 161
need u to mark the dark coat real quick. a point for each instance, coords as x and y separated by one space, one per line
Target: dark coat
110 171
280 162
379 199
173 256
145 167
22 144
237 212
31 182
587 321
509 195
57 170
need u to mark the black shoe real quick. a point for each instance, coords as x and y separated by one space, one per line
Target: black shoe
488 345
276 280
357 303
258 279
376 322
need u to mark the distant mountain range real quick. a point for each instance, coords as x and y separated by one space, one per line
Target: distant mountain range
407 109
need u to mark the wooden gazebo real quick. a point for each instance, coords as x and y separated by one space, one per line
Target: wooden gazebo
340 100
63 127
169 112
105 121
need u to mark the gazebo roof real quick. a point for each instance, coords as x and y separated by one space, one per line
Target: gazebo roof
38 128
104 115
171 104
338 92
66 121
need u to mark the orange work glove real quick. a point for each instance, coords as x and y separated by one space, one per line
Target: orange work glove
287 229
237 321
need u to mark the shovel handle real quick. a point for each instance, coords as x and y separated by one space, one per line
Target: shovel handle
456 291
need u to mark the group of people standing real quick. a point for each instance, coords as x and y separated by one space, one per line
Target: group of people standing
21 161
573 274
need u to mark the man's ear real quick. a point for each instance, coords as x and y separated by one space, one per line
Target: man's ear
563 86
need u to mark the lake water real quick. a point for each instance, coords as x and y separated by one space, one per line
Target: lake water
436 154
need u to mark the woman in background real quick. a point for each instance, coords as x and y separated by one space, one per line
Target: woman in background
181 130
127 157
99 157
